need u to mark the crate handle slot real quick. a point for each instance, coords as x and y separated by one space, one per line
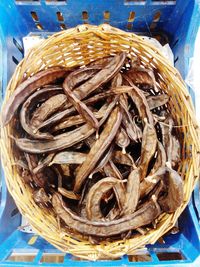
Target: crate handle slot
142 257
52 257
170 256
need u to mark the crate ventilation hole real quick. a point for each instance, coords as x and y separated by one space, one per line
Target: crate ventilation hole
85 19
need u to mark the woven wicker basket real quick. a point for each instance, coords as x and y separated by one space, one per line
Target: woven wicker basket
79 46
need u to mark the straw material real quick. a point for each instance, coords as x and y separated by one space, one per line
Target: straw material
79 46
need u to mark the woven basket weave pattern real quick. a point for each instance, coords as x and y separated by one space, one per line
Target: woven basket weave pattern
76 47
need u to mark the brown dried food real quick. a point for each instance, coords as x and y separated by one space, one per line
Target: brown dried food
39 179
157 101
68 194
139 75
40 196
60 142
80 106
100 146
33 100
125 159
27 87
49 107
143 216
174 198
94 187
103 76
149 144
132 192
96 193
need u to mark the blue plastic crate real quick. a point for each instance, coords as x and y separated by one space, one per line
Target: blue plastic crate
174 21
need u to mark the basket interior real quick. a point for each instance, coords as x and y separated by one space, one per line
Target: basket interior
152 18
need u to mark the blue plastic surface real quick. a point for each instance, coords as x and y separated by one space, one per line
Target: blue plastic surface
176 20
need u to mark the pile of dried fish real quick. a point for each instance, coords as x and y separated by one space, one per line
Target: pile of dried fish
97 145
